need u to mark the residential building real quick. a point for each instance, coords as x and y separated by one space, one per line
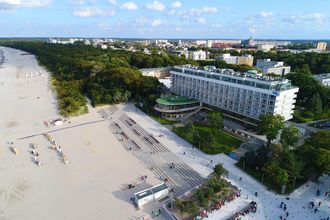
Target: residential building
323 78
267 66
201 42
238 60
321 46
243 96
265 47
197 55
222 43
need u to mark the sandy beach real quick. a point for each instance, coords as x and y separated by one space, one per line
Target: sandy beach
94 183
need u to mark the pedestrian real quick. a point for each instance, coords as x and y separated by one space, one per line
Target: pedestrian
318 192
240 179
320 204
287 214
281 204
256 194
184 153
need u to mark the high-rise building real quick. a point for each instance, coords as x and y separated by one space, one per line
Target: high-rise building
321 46
267 66
239 95
238 60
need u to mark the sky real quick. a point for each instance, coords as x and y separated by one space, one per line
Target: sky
179 19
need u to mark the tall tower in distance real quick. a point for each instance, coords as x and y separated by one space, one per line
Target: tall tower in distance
321 46
250 42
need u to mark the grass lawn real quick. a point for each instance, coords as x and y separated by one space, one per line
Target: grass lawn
225 143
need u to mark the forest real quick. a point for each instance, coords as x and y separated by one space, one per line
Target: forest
105 77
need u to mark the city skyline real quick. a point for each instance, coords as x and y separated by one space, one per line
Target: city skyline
165 19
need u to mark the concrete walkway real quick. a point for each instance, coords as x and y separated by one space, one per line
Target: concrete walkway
268 202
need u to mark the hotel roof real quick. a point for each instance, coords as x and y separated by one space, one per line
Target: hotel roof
175 100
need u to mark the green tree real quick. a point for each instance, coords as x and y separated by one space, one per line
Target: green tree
270 125
219 171
290 136
316 103
282 176
197 138
316 150
211 139
215 120
323 161
191 130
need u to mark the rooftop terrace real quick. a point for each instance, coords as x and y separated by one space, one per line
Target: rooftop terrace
250 78
175 100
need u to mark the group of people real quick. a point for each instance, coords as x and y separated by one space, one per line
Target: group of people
172 165
58 149
252 208
217 205
155 213
144 178
35 155
284 208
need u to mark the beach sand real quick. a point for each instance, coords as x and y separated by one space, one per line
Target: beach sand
94 183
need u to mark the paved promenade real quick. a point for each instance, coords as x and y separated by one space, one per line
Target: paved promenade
268 202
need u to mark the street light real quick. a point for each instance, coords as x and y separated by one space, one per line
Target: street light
171 194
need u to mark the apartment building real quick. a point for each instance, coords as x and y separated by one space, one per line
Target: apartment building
277 67
238 60
323 78
197 55
241 95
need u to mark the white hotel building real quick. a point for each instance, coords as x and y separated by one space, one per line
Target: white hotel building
240 95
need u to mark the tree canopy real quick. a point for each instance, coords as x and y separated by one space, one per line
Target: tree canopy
270 125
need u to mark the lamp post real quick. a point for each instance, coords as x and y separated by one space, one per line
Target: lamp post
171 200
294 181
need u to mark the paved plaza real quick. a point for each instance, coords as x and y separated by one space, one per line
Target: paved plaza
268 202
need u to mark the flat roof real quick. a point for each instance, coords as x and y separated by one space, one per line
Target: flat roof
175 100
152 190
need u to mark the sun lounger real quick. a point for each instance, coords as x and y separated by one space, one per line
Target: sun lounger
15 150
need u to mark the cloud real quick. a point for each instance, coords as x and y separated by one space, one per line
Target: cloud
178 29
131 6
104 26
141 21
156 23
156 6
200 20
211 10
113 2
195 12
176 4
266 14
262 15
304 18
13 4
93 12
217 25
